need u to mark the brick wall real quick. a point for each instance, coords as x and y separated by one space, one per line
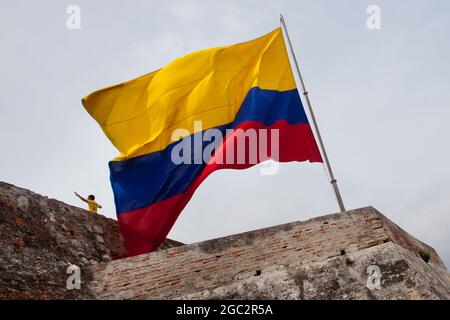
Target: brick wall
322 258
292 261
41 237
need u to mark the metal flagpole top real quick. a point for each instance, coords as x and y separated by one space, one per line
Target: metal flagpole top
333 180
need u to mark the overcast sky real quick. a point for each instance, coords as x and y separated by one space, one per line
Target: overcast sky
381 98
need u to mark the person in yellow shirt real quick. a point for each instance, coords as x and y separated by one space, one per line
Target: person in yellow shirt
92 205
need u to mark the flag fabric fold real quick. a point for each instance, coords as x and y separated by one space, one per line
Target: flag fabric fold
232 92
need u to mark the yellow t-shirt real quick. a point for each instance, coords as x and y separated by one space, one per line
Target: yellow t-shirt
93 206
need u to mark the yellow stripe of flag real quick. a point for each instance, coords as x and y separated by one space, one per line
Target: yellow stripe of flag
139 115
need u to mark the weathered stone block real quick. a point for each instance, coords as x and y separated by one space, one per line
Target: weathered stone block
291 261
329 257
40 237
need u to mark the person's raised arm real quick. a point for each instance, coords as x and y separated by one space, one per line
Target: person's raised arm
81 198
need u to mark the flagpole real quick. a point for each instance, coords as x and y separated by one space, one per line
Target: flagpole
333 180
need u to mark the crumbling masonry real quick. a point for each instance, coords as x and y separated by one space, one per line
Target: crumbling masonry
355 255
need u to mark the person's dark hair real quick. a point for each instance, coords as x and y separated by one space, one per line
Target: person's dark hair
91 197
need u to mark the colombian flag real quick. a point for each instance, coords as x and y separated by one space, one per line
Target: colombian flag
246 86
